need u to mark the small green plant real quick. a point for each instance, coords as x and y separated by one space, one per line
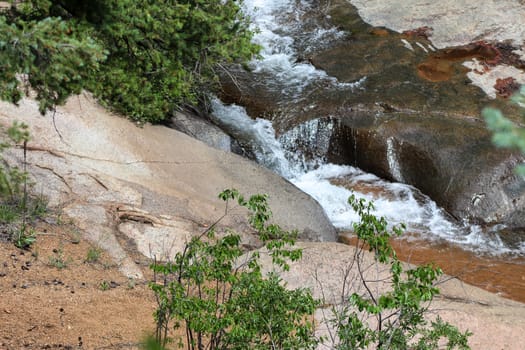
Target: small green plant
18 209
58 260
150 343
398 313
93 255
13 181
104 285
106 265
131 283
222 299
23 237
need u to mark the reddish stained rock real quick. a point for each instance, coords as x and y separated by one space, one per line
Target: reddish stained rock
480 49
439 66
379 31
509 56
435 69
506 87
490 54
421 32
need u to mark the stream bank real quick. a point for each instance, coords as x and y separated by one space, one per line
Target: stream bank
502 276
401 101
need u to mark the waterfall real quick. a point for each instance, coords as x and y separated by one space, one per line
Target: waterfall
299 154
256 135
307 144
279 57
393 161
331 184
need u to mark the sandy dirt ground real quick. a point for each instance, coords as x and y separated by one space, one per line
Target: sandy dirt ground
53 298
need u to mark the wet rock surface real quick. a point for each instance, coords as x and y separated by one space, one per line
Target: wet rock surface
455 164
406 108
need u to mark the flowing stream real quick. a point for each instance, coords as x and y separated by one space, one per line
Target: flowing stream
284 32
332 184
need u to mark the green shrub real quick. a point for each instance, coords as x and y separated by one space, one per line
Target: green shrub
398 314
221 298
142 58
223 301
18 209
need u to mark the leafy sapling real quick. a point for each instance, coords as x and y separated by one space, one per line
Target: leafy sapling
220 297
398 313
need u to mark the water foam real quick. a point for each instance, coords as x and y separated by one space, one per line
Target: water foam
257 135
279 57
397 202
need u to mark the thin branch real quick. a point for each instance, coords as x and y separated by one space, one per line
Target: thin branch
55 126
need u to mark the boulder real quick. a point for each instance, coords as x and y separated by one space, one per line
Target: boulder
453 161
152 182
202 130
451 23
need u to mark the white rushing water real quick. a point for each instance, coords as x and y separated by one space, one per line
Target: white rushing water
398 203
279 57
331 185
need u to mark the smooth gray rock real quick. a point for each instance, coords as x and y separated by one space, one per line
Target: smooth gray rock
323 269
201 130
102 160
453 22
